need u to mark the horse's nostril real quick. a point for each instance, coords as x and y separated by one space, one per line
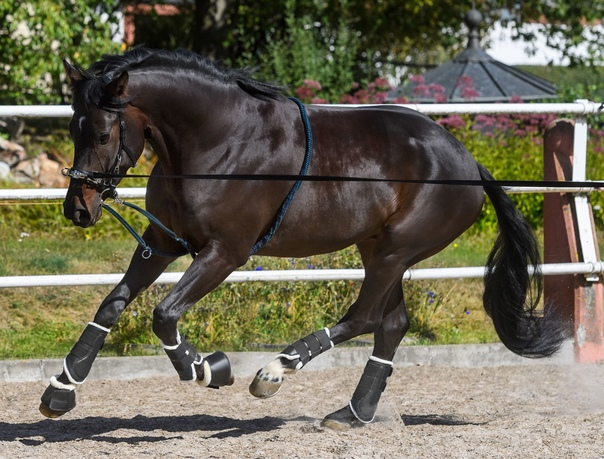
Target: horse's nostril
81 218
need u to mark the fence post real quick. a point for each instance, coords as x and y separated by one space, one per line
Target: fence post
579 298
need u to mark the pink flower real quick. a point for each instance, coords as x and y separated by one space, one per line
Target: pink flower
382 83
452 122
380 97
436 88
469 93
421 90
440 98
417 79
313 84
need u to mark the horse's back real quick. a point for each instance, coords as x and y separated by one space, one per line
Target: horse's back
395 146
406 143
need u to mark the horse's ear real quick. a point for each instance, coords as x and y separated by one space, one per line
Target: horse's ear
117 87
73 73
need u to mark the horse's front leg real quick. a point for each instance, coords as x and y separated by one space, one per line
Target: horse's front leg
209 269
59 397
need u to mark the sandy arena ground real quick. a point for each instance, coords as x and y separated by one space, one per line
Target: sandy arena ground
528 412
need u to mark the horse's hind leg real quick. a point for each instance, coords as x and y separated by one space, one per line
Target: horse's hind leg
364 316
364 402
209 269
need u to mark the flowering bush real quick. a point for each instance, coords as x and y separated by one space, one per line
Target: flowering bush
375 93
307 93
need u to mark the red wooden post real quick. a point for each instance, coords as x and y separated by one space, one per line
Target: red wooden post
578 300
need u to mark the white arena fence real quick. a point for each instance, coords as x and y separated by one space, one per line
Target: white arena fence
579 110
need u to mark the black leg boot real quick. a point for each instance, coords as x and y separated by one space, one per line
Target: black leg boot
363 405
59 397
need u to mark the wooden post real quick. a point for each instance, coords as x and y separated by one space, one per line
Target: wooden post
578 300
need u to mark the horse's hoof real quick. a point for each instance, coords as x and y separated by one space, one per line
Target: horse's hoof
268 380
49 413
341 420
56 402
217 371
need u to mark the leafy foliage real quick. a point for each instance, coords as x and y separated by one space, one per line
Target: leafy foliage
309 52
34 35
335 43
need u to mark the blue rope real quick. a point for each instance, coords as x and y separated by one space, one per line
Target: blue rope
290 196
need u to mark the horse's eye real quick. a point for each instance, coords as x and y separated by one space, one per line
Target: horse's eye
104 139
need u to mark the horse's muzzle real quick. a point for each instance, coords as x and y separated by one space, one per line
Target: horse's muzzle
83 211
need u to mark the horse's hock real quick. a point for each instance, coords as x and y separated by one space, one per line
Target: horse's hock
570 237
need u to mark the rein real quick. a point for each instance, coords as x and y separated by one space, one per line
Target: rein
148 251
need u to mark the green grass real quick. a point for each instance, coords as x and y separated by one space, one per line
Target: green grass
46 322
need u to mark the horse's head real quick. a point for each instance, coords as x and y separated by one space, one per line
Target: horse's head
108 136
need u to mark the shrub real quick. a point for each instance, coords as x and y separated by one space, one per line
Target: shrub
301 55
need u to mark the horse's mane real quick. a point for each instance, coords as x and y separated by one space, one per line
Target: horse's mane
90 90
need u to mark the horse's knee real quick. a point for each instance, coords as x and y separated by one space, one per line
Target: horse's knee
109 313
396 324
405 324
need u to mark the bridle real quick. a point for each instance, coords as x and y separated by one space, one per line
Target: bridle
104 183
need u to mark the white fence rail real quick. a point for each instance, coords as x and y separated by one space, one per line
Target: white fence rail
579 109
291 275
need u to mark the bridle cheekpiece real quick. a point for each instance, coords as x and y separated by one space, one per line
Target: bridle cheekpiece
105 182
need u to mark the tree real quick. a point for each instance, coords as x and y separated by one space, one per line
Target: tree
564 24
350 35
36 34
242 32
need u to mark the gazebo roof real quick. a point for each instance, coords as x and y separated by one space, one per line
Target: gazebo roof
474 76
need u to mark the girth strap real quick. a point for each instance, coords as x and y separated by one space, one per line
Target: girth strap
290 196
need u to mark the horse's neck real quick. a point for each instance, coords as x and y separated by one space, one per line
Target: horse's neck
186 119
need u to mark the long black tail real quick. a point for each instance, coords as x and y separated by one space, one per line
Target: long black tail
511 293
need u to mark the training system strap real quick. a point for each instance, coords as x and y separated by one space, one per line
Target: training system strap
366 396
78 362
307 348
290 196
148 251
99 179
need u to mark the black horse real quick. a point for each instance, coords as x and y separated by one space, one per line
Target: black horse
202 119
